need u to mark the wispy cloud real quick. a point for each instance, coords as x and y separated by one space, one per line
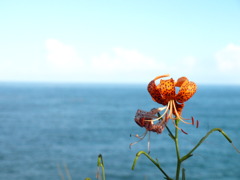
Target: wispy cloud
117 64
124 65
113 65
62 57
228 59
128 65
124 60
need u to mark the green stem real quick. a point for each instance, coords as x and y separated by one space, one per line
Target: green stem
183 174
153 161
189 154
177 151
101 164
170 133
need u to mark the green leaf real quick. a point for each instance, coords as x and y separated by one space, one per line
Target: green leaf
189 154
101 164
156 163
183 174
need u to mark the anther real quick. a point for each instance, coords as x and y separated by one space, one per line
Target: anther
197 124
183 131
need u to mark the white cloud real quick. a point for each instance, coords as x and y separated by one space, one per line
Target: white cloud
115 65
62 57
121 64
228 59
123 60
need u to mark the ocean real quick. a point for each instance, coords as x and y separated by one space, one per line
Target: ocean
51 131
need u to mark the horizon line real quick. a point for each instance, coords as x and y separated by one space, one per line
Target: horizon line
101 82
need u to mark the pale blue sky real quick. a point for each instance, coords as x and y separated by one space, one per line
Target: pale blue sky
120 40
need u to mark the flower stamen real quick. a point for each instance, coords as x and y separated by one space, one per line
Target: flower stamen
197 124
139 137
171 112
149 142
178 116
152 120
178 127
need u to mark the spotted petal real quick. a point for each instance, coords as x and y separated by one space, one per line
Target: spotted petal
155 93
180 81
187 90
167 89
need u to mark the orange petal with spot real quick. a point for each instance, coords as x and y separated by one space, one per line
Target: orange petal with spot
155 93
167 89
187 90
180 81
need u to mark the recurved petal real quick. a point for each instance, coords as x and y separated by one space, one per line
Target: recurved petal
187 90
162 76
167 89
180 81
155 93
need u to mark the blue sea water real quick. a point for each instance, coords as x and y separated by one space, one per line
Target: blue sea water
47 130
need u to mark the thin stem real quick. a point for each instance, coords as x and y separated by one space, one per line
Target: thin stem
176 140
60 172
67 172
101 164
153 161
177 151
183 174
189 154
169 131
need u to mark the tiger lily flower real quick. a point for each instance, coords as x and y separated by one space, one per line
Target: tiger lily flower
165 93
142 119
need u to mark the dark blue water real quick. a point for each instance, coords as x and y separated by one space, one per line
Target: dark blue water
46 127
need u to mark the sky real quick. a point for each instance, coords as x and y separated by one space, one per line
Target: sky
119 41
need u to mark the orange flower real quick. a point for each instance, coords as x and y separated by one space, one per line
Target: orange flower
165 93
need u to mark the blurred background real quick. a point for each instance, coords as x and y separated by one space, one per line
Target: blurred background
74 73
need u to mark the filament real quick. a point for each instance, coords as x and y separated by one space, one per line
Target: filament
139 137
149 143
161 115
170 110
142 136
178 116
